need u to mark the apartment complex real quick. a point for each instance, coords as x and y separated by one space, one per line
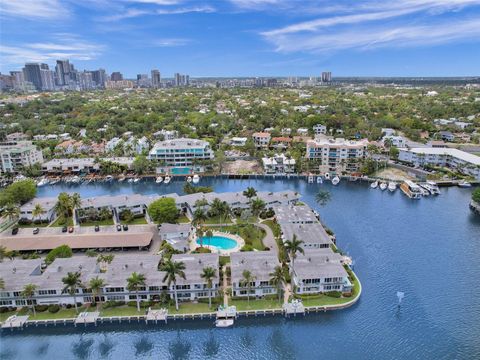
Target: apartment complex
337 156
278 164
16 155
181 155
462 161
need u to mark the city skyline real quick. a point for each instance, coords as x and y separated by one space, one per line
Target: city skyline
240 38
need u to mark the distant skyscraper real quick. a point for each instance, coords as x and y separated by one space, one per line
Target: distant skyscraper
18 80
177 79
326 76
99 77
156 78
85 80
63 71
47 77
116 76
143 80
32 74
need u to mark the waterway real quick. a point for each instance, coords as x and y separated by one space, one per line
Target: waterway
429 249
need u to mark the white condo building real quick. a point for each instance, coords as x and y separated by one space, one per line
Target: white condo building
16 155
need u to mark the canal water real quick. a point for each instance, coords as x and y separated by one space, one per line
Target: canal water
428 249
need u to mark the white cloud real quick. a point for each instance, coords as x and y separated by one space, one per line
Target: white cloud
170 42
35 9
132 13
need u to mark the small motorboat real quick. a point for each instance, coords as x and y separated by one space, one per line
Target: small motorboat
196 179
464 184
310 179
335 180
136 180
383 186
327 176
108 178
75 179
167 180
433 187
392 186
374 185
189 179
130 180
223 323
121 178
42 182
319 180
159 180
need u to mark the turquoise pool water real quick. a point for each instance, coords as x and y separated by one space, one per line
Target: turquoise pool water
220 242
181 170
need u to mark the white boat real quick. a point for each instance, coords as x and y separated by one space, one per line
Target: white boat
335 180
108 178
319 180
423 190
434 189
327 176
167 180
121 179
189 179
392 186
42 182
310 179
464 184
136 180
75 179
383 186
159 180
223 323
196 179
130 180
374 185
411 189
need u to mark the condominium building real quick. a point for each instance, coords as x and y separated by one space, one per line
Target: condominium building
462 161
16 155
337 156
278 164
181 153
319 129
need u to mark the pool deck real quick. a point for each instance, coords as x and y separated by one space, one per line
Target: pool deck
240 243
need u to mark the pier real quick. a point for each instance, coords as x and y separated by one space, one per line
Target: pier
475 207
15 321
87 318
155 315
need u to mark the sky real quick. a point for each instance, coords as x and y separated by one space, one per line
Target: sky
246 37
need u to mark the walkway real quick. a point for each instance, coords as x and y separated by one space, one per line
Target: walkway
225 286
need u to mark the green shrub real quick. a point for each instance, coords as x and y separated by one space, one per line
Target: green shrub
62 251
112 303
247 247
202 250
41 308
54 308
334 294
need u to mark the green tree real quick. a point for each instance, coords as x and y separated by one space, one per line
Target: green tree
64 205
163 210
322 197
257 205
62 251
172 270
72 282
208 274
2 284
96 284
5 253
12 212
38 211
199 216
247 279
293 247
476 195
18 192
134 283
141 164
28 293
278 279
250 192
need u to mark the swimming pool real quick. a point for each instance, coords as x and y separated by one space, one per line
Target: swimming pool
220 242
181 170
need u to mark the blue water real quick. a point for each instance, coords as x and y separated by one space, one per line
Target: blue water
220 242
429 249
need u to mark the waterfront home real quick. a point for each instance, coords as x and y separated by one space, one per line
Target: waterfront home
238 141
278 164
261 139
81 165
313 236
260 264
320 270
17 155
394 140
280 143
177 235
166 134
458 160
16 274
47 204
446 136
295 214
336 156
180 155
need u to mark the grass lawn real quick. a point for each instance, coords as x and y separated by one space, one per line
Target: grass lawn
274 226
321 300
135 221
189 308
98 222
6 315
259 304
122 311
61 314
251 219
250 233
218 220
32 225
60 221
183 219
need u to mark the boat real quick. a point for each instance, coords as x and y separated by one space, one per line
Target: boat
159 180
108 178
335 180
310 179
383 186
374 185
434 189
136 180
392 186
42 182
319 180
121 178
223 323
196 179
54 181
75 179
167 180
327 176
411 189
423 190
464 184
225 316
130 180
189 179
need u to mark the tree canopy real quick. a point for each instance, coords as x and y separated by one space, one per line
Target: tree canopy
163 210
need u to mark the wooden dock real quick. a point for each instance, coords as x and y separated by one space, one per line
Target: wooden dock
155 315
293 308
15 321
87 318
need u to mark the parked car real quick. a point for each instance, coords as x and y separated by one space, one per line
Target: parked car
36 231
97 228
70 229
15 231
125 227
119 227
64 229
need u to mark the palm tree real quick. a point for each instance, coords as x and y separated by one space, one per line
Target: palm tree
247 279
12 212
72 282
103 260
278 279
134 282
96 284
63 205
172 269
200 232
38 211
209 273
250 192
28 293
75 202
322 197
257 205
199 216
5 253
293 247
2 284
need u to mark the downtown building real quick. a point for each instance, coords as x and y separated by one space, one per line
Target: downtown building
17 155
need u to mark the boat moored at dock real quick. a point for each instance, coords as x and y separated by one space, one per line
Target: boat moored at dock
412 190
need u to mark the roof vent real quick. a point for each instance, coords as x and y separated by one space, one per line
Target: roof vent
59 268
14 270
141 264
125 266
